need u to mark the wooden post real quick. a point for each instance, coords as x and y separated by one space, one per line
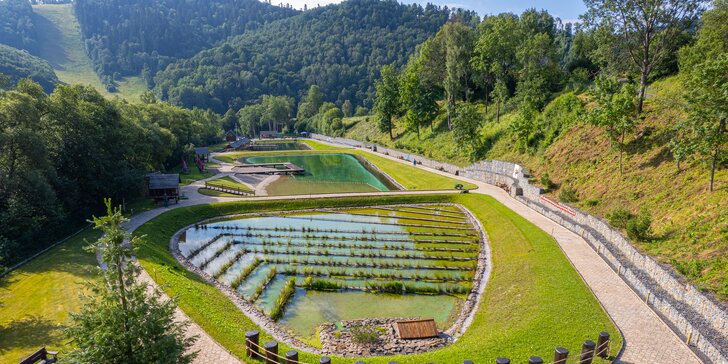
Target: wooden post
291 357
502 361
251 343
603 345
271 350
535 360
359 362
325 360
468 362
560 355
587 352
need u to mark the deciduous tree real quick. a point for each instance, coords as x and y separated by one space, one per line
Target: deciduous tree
466 130
646 28
704 73
387 102
615 111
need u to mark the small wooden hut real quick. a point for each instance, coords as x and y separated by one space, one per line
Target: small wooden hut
268 134
163 187
231 136
203 153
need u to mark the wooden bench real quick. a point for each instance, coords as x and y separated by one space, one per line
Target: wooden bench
41 356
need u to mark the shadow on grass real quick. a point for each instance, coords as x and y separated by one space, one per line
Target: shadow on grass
31 330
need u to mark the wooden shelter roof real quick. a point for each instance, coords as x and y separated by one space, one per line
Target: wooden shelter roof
159 181
202 151
416 329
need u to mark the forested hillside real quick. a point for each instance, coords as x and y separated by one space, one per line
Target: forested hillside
16 64
62 154
340 48
132 37
16 24
571 107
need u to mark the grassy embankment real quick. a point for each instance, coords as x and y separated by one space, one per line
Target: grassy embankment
534 301
60 43
36 299
410 177
690 225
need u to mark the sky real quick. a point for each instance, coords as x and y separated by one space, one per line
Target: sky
564 9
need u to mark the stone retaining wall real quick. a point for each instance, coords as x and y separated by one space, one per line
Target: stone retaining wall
694 316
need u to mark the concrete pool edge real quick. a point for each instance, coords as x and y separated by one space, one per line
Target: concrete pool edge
459 326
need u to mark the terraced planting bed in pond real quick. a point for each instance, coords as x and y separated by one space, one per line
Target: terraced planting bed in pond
307 268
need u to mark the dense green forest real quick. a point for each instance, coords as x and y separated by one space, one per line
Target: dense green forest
61 154
340 48
132 37
16 64
16 24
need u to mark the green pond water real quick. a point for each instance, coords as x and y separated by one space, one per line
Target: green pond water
309 309
295 241
264 145
325 173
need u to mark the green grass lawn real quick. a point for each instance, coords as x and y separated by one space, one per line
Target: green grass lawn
36 299
60 43
227 182
534 301
412 178
193 173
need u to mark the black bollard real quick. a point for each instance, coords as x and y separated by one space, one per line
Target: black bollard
291 357
468 362
560 355
502 361
359 362
587 352
251 343
325 360
271 350
603 345
535 360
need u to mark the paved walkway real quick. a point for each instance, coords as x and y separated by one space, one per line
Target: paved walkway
647 338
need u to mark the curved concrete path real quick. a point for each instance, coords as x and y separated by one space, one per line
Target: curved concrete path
646 336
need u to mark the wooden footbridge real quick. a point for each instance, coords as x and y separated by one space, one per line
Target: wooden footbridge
269 168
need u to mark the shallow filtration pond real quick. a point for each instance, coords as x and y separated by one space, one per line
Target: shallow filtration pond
325 173
398 261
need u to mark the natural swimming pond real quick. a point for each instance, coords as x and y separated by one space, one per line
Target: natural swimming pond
396 261
268 145
325 173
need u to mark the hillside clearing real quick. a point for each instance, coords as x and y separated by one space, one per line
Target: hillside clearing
60 43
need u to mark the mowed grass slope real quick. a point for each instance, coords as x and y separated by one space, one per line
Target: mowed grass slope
534 301
60 43
36 299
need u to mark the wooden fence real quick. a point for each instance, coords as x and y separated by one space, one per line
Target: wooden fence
268 353
229 189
